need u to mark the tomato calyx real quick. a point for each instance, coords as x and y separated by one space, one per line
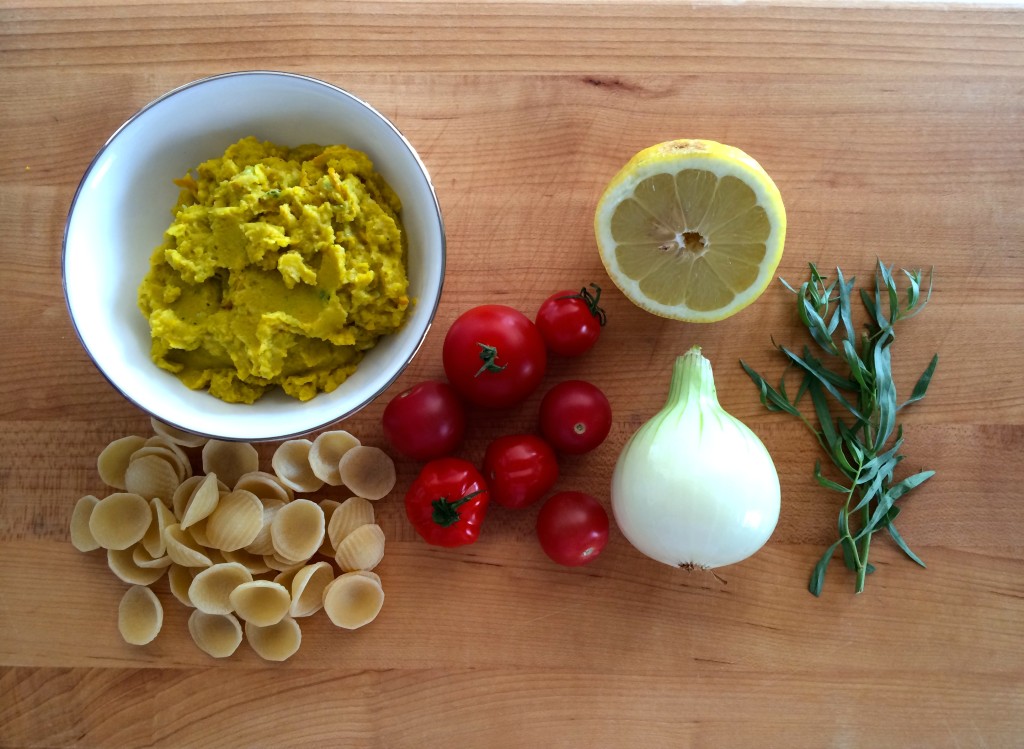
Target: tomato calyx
591 300
489 355
446 513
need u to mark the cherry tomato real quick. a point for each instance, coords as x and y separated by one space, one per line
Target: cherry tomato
571 321
572 528
575 417
426 421
519 469
447 502
494 356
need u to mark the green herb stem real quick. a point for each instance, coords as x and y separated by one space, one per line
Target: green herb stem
863 445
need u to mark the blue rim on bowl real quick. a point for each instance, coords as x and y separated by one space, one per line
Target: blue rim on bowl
237 422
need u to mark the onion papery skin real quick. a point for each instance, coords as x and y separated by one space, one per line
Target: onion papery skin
694 486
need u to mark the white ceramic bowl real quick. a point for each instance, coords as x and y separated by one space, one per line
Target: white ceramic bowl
123 205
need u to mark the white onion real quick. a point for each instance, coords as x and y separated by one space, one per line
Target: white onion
694 487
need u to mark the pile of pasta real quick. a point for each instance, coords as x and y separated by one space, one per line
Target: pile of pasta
236 543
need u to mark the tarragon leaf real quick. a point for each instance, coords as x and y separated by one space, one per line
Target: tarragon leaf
818 575
857 374
922 384
827 482
903 544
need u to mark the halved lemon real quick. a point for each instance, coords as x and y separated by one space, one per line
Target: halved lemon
691 230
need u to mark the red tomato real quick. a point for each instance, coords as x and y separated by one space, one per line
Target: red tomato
570 322
494 356
447 502
519 469
572 528
575 417
426 421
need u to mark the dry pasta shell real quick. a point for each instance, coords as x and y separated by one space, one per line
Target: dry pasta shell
210 590
177 436
122 564
143 559
291 465
139 615
120 520
362 549
368 472
263 544
172 454
326 451
353 600
307 586
366 573
183 493
265 486
167 443
279 564
151 476
153 541
230 460
261 602
179 579
278 642
183 549
328 506
81 537
199 535
202 502
217 635
352 513
113 460
188 487
298 530
252 562
236 522
285 578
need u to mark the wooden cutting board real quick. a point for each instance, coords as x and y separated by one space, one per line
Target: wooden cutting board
893 131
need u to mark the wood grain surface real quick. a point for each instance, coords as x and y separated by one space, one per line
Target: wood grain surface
893 131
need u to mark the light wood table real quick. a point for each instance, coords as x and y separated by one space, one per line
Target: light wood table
893 131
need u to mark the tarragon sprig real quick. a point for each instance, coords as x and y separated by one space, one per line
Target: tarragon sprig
864 441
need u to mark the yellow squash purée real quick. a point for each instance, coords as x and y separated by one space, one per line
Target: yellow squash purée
282 266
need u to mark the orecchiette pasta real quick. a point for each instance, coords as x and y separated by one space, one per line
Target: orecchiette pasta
177 436
140 615
220 536
353 600
352 513
81 537
236 521
325 453
291 464
367 471
261 602
277 642
211 589
113 460
120 520
362 549
230 460
217 635
151 476
298 530
202 502
307 586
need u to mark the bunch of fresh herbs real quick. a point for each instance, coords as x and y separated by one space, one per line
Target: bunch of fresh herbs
864 441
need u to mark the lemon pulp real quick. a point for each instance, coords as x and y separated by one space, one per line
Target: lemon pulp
692 230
